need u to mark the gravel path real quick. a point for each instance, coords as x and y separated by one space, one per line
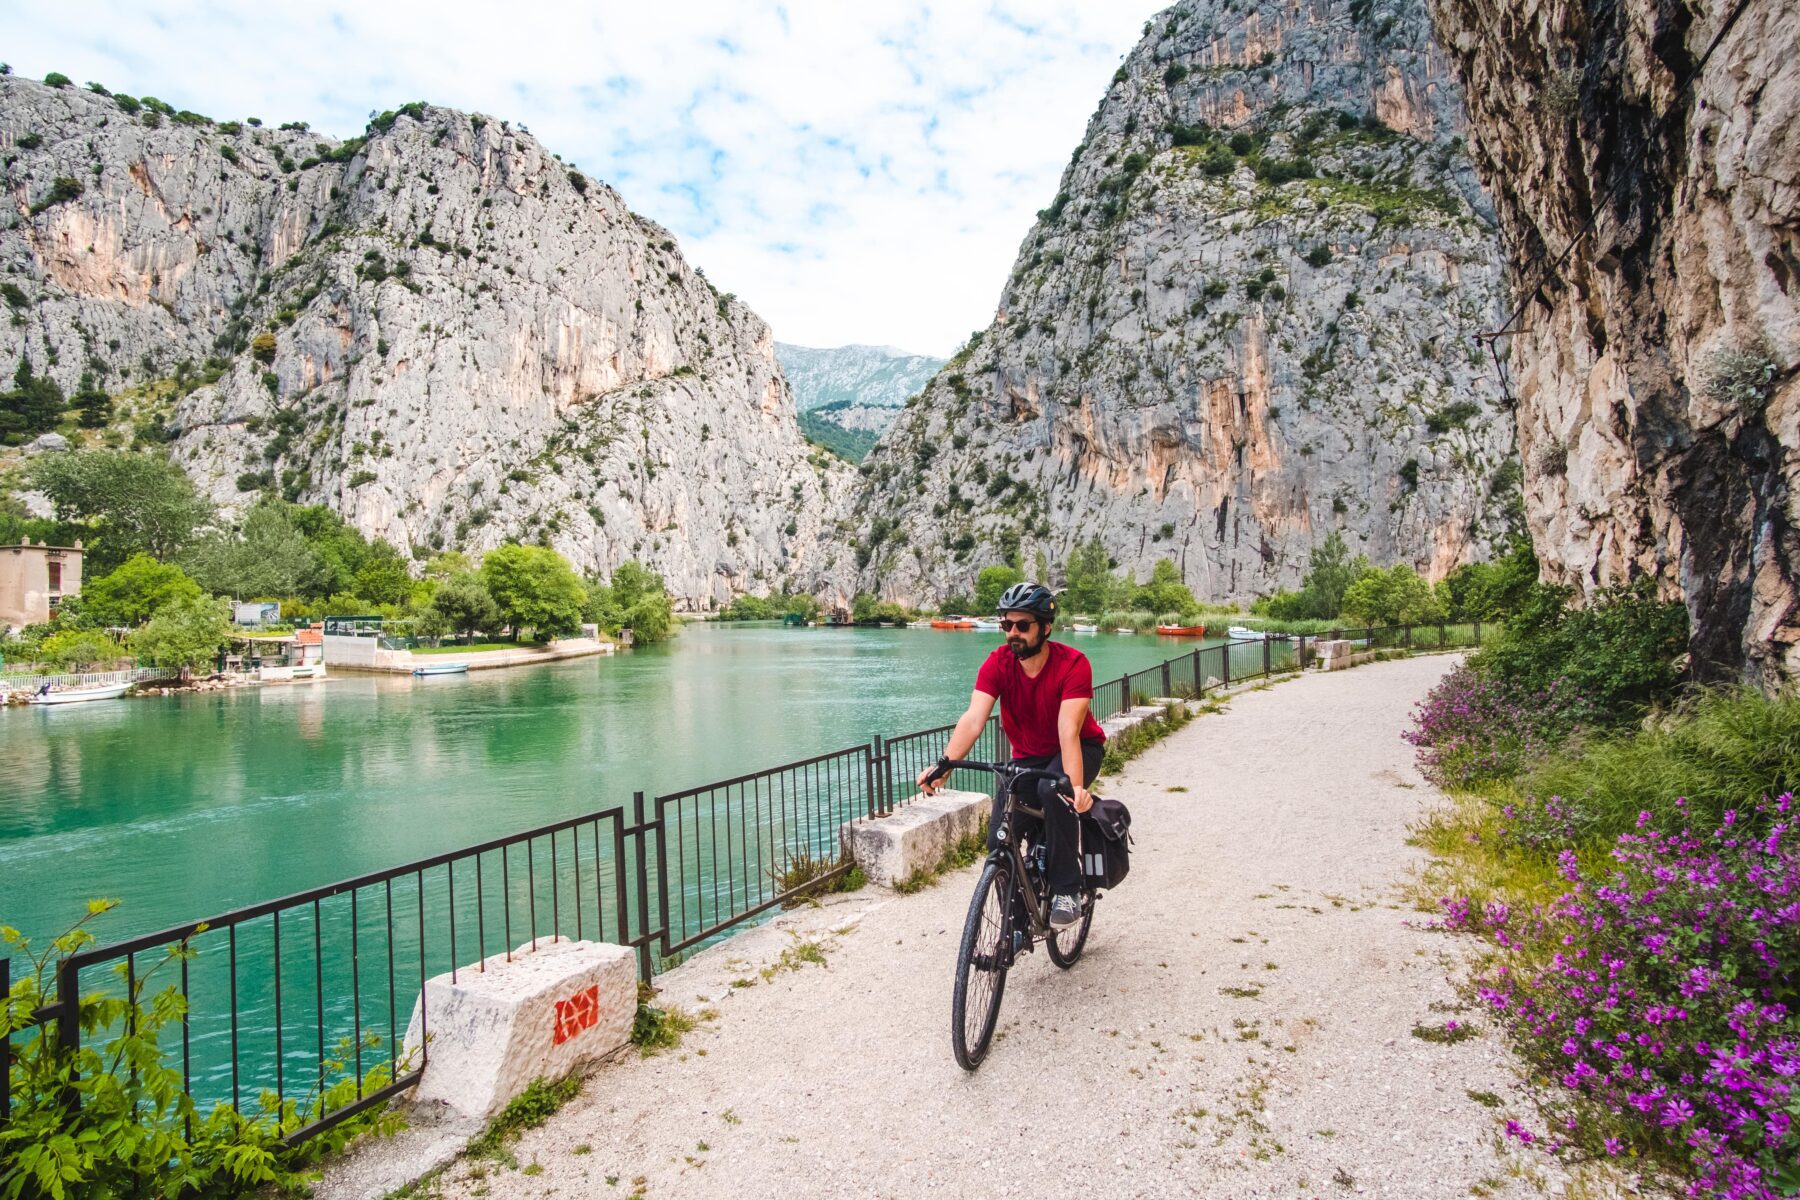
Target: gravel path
1241 1025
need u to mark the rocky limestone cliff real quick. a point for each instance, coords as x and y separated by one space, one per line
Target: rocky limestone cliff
440 330
1645 163
1220 352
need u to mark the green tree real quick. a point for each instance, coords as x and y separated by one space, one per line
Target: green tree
92 403
383 576
1492 591
636 598
1330 572
535 588
186 634
1089 572
134 590
128 503
78 648
35 403
992 583
1396 596
269 557
1166 593
340 546
465 606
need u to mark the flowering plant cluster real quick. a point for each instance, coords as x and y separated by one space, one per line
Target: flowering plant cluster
1660 998
1473 727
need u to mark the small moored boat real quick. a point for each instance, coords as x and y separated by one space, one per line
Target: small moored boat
953 623
1242 633
1124 629
453 668
1078 627
985 623
1182 630
77 695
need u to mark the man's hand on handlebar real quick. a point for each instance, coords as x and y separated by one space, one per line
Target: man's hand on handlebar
1081 800
932 778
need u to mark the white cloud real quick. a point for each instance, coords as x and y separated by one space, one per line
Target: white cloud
855 172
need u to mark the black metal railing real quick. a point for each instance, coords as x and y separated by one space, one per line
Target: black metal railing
318 999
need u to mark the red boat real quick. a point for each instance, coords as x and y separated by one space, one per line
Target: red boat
953 623
1182 630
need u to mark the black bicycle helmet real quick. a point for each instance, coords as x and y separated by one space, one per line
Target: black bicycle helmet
1033 598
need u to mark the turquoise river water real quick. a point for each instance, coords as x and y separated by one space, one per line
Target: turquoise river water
184 806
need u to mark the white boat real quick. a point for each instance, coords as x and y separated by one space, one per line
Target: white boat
452 668
77 695
1078 627
1240 633
987 622
925 624
1124 629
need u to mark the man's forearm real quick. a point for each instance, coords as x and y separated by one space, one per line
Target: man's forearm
1072 764
962 738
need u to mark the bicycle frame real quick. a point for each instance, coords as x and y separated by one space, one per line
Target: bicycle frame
1007 849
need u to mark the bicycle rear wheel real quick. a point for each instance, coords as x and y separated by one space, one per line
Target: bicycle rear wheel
981 964
1067 943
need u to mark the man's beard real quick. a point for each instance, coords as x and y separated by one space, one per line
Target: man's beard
1023 649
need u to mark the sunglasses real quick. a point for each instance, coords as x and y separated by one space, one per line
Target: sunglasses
1007 624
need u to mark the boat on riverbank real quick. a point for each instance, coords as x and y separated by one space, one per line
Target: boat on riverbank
1182 630
953 623
80 695
1242 633
991 623
1078 627
429 669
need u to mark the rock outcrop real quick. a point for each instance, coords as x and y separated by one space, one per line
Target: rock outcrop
439 329
1247 319
1645 162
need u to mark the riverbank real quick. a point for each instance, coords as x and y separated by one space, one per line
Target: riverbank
1259 1011
402 662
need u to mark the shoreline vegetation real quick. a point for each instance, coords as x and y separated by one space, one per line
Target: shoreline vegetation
1623 845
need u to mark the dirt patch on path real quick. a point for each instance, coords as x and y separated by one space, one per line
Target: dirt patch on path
1242 1024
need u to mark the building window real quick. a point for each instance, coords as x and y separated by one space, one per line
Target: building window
55 576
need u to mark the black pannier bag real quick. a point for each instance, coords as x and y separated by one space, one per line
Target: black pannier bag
1105 843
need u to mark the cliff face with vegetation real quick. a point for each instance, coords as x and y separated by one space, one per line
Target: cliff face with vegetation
440 330
1246 320
1645 161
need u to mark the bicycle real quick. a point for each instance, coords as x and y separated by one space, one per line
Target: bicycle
1009 911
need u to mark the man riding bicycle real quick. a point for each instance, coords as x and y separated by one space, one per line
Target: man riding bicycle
1044 689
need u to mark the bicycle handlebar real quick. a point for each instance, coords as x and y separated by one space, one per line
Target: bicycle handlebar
1006 772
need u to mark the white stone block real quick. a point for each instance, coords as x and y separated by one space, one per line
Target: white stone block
549 1012
888 849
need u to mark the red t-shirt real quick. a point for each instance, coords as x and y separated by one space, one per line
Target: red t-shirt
1028 706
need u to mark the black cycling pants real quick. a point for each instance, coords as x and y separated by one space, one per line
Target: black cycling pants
1060 821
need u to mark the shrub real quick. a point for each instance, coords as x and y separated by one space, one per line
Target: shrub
62 189
1619 650
1656 996
29 141
1318 256
1720 751
1470 728
1175 74
262 347
57 79
132 1130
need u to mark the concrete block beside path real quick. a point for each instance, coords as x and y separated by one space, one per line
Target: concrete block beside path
549 1012
888 849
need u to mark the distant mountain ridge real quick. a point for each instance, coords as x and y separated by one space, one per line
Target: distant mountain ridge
881 376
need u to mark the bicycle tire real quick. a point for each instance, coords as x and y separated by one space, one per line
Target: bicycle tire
980 958
1066 945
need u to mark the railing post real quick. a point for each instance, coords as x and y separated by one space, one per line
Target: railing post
1125 692
1199 680
878 780
68 1021
1225 667
1478 633
1165 673
1265 642
1443 636
1406 637
642 856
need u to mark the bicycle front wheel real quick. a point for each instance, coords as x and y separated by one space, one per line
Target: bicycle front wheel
981 964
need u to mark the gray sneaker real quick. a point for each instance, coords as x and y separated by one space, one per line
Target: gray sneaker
1064 910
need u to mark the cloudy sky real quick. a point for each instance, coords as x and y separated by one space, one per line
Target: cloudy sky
857 172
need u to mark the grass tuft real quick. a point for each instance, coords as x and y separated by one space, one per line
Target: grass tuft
529 1109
